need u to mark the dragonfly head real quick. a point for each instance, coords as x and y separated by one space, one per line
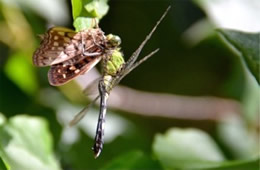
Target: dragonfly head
113 40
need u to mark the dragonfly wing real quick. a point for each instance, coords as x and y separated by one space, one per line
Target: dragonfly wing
82 113
91 89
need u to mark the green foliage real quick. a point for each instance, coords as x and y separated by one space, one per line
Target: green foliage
234 129
133 141
237 165
18 66
194 149
2 165
247 44
246 47
81 23
85 10
132 160
186 149
27 138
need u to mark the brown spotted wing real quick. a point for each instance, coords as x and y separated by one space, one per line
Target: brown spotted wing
61 73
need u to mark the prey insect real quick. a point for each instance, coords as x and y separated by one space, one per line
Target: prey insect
71 54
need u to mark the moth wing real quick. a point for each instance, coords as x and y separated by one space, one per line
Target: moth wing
53 45
61 73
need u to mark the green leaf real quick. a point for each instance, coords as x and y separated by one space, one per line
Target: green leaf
22 73
2 119
132 160
193 149
26 143
97 8
246 47
186 148
238 165
233 128
2 165
81 23
250 99
76 8
248 44
86 10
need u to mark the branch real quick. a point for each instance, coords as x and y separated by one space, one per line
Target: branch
166 105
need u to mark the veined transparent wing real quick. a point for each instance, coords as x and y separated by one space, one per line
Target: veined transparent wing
83 112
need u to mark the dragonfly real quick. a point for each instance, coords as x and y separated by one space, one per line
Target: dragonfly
70 54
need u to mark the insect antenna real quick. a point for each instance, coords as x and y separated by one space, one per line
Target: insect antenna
138 63
135 55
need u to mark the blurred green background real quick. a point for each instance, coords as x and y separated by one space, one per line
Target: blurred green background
207 101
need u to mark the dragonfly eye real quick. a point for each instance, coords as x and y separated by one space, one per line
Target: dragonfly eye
113 40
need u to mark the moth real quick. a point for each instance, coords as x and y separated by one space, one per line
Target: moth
71 53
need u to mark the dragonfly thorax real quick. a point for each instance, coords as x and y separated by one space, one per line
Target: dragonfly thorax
114 63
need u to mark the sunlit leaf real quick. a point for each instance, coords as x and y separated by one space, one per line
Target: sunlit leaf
85 10
250 99
76 8
97 8
81 23
24 138
233 128
186 148
227 14
2 119
233 14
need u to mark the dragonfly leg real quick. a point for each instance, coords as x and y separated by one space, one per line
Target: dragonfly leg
84 50
94 41
135 55
91 54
